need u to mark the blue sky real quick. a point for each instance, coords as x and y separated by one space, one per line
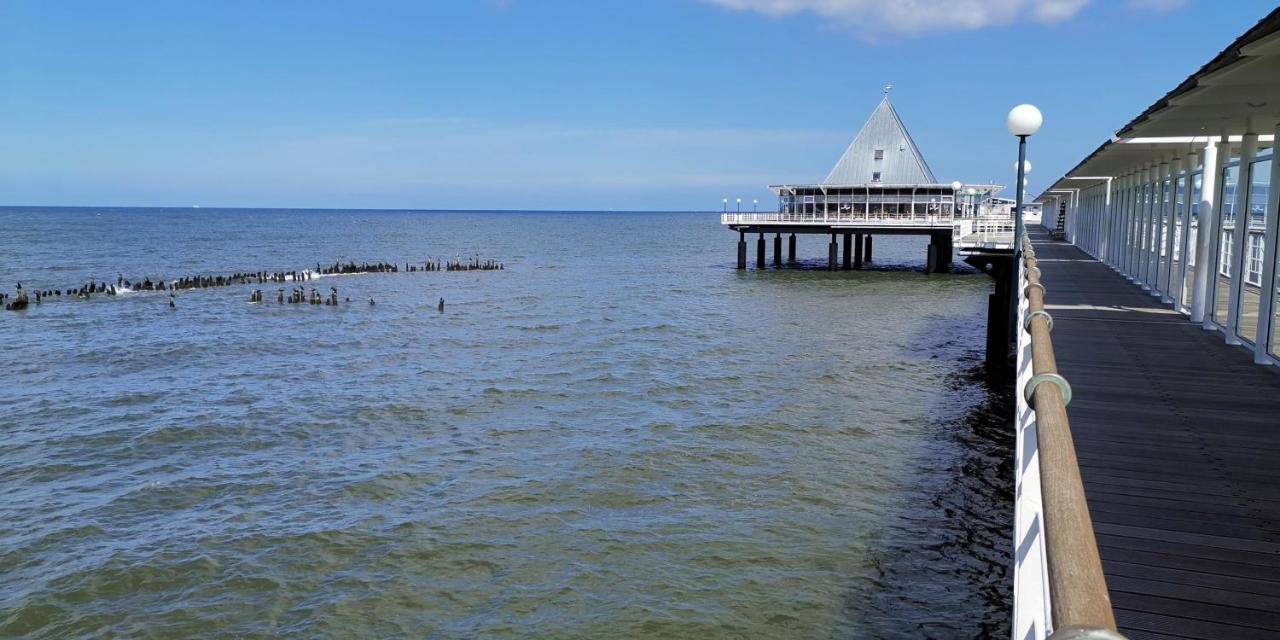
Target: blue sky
661 104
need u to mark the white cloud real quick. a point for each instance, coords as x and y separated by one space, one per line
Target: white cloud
915 17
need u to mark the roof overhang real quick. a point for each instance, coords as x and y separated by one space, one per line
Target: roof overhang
1235 93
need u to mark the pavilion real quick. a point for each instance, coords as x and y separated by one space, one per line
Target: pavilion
881 184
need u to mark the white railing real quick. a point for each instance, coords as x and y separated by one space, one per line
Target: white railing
989 233
1031 612
994 227
847 217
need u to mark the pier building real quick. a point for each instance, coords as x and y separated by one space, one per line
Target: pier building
880 185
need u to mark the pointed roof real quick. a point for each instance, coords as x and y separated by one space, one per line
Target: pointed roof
900 161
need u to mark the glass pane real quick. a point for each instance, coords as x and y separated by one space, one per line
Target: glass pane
1179 213
1162 238
1153 228
1189 281
1227 225
1275 310
1251 286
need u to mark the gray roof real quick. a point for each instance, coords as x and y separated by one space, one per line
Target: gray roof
901 162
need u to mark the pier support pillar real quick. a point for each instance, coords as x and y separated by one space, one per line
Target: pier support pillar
857 252
940 253
999 329
866 250
760 252
831 253
998 326
777 250
848 245
791 249
742 250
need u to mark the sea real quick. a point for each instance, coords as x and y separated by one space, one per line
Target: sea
617 435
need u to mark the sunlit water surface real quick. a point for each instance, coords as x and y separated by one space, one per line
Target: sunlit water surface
618 436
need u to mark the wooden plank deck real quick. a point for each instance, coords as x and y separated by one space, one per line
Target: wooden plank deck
1178 437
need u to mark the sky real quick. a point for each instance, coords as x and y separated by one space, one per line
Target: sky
546 104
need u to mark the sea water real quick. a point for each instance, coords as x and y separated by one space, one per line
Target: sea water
619 435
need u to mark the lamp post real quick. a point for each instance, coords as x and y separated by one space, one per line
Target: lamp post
973 201
956 193
725 208
739 205
755 205
1023 121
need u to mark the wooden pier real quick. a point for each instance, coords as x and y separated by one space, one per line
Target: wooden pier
1176 437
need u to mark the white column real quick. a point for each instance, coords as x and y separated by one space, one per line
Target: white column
1271 234
1166 261
1215 157
1185 241
1240 235
1074 218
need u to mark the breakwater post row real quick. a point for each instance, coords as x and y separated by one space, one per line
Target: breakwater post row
22 299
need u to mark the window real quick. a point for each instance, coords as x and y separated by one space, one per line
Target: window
1254 276
875 176
1224 266
879 154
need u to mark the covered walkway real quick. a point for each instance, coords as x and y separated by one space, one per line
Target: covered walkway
1176 434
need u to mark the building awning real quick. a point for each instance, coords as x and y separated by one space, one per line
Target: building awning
1235 93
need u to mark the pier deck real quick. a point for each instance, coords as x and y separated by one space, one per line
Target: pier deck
1178 438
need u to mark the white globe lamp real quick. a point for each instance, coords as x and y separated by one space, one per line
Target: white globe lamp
1024 120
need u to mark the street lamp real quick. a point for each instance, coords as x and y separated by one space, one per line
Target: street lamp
755 205
739 205
1023 121
955 194
725 208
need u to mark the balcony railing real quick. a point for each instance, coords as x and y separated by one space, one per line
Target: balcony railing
846 217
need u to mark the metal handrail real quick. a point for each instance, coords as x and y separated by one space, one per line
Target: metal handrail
1079 601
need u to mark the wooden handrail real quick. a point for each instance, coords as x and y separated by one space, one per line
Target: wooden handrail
1077 588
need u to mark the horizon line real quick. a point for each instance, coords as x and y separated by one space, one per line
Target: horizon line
402 209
